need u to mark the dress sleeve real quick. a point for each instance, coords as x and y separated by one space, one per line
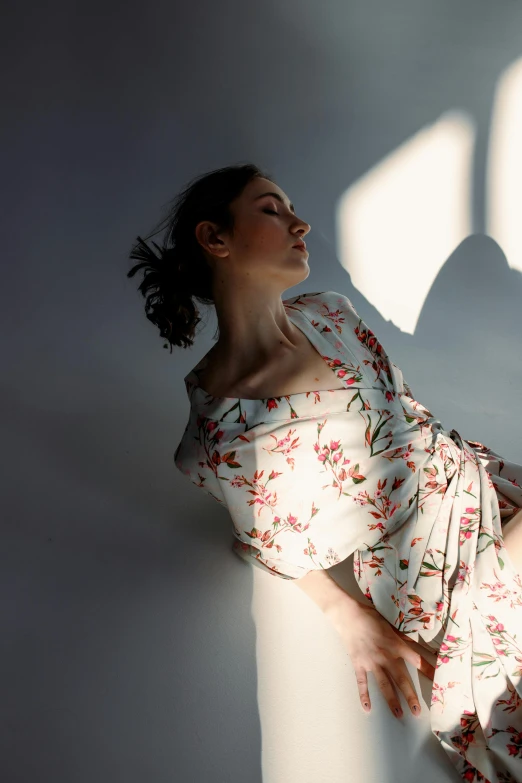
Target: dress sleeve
197 457
348 303
193 455
407 389
252 556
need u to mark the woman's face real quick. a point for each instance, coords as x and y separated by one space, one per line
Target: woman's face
265 230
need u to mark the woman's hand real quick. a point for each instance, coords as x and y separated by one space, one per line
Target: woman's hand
375 646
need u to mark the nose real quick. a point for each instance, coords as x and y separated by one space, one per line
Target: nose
303 230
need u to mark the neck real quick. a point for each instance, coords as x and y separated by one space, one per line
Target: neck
253 328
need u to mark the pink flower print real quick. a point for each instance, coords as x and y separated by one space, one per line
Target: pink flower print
310 550
362 498
258 489
330 456
285 446
437 694
403 595
468 526
397 483
464 572
336 317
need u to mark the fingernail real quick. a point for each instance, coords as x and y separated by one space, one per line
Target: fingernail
398 712
416 709
366 705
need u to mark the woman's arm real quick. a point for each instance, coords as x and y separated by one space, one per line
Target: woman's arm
325 592
372 643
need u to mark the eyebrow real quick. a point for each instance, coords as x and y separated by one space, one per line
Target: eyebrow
277 196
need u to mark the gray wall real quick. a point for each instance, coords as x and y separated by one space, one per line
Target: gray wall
129 647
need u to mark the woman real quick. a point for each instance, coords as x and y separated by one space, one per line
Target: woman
302 426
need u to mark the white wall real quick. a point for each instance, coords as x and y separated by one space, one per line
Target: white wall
135 646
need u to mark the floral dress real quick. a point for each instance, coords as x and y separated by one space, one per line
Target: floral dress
312 477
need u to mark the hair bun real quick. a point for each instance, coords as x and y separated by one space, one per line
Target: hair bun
176 275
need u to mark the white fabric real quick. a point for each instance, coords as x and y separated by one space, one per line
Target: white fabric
310 478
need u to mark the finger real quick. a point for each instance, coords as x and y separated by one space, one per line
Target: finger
424 662
401 677
427 653
362 685
417 660
385 685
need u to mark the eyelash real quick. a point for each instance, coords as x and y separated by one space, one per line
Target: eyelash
270 212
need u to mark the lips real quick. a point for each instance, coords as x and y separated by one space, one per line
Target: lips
300 244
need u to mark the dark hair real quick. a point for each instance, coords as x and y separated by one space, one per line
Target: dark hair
180 272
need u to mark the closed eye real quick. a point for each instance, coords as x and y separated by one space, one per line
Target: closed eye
270 212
